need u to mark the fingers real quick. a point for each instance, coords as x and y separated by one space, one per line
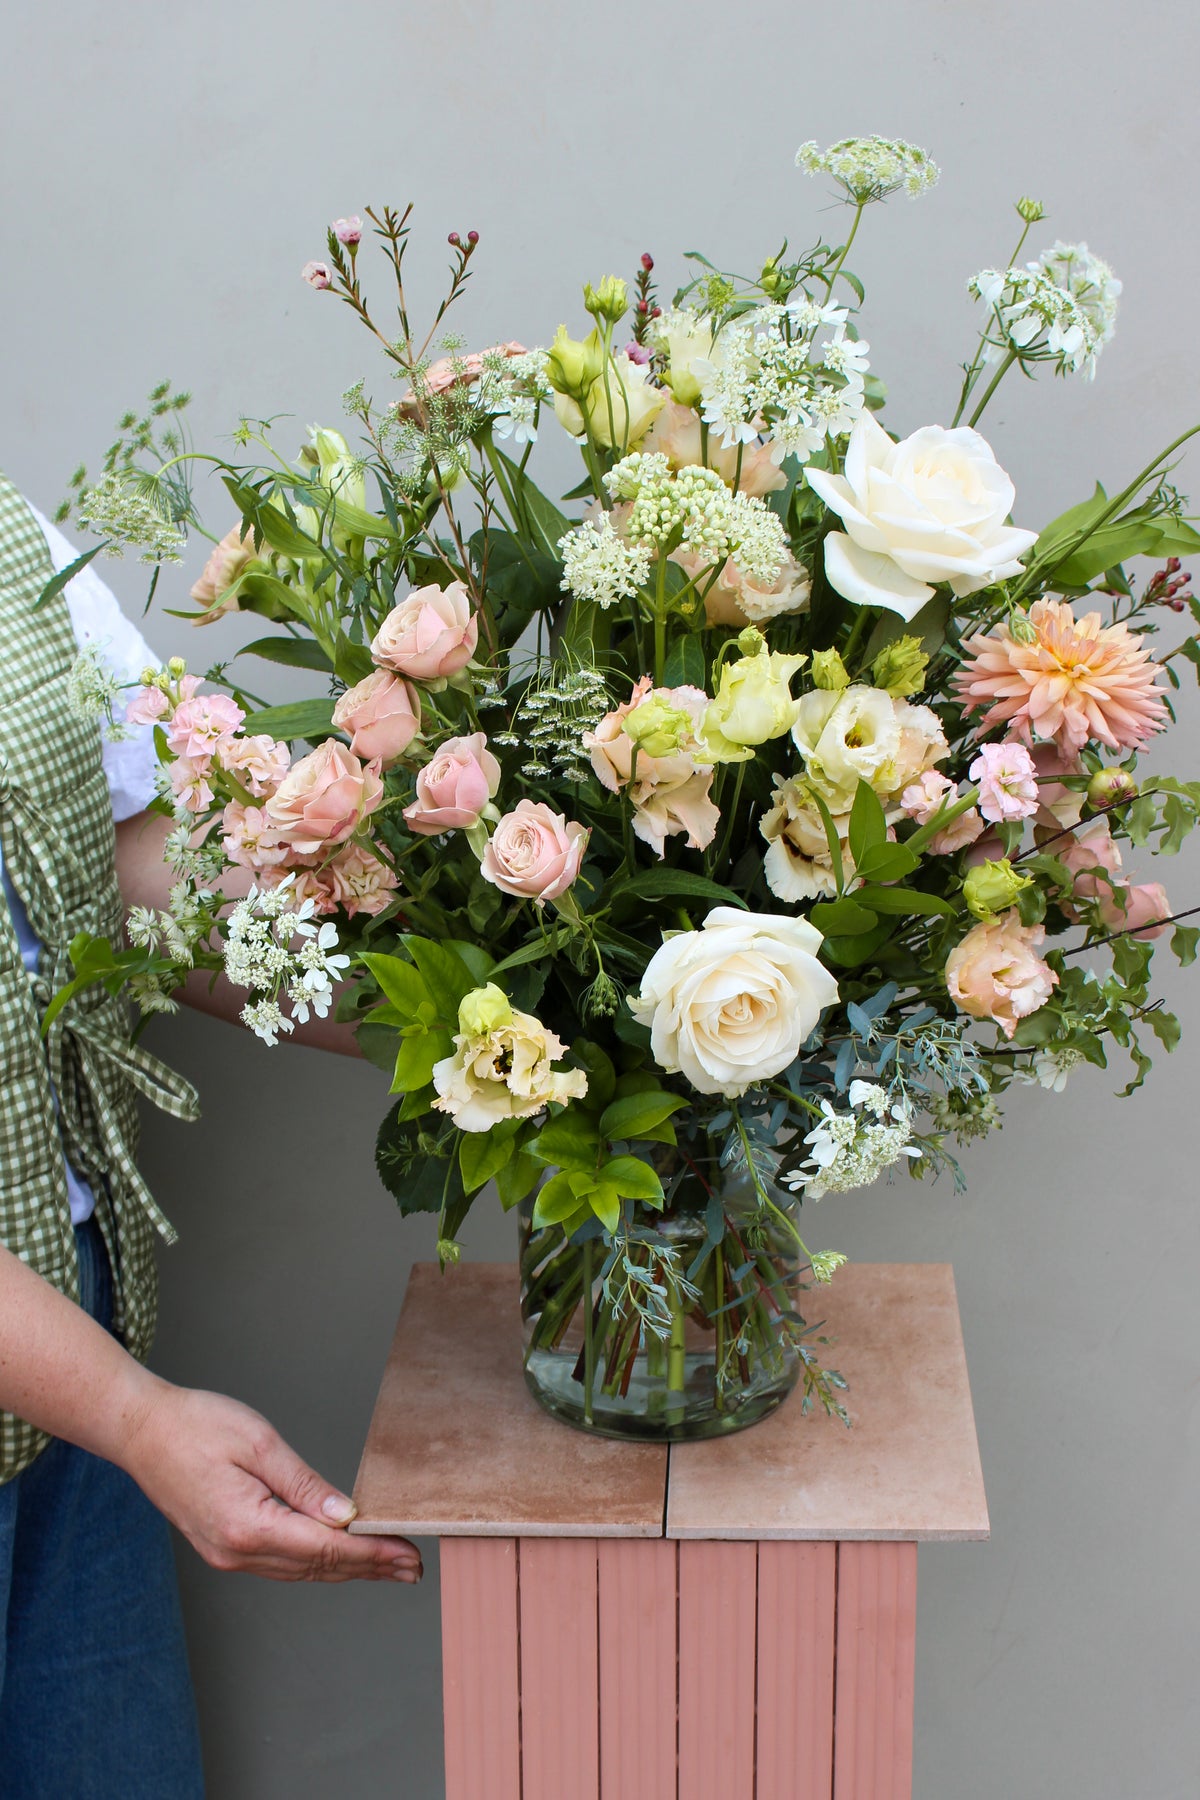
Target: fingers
287 1475
287 1546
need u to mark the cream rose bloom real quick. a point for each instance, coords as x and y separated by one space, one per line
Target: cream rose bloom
501 1066
930 508
859 733
731 1004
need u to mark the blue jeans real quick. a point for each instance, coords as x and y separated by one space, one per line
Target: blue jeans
95 1698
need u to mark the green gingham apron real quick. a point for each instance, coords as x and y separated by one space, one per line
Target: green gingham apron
56 830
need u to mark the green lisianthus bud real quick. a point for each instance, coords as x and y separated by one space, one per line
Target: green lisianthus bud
608 301
768 279
753 704
900 667
483 1011
992 887
573 364
657 726
829 671
751 641
1108 786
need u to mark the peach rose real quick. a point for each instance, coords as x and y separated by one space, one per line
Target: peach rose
676 434
360 881
1143 909
226 562
454 788
1090 855
324 798
431 634
996 973
534 853
381 714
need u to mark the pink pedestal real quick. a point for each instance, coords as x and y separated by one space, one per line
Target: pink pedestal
723 1621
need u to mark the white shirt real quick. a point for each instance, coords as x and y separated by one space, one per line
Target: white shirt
129 766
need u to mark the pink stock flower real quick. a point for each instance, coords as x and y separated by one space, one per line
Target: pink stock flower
317 274
189 782
670 793
454 788
996 973
381 714
261 761
203 725
226 562
348 231
324 798
147 706
535 853
360 882
1007 784
924 798
432 633
1076 682
248 837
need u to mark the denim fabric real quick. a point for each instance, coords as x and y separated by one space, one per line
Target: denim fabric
95 1697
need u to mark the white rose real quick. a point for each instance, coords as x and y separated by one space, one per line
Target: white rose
731 1004
859 733
930 508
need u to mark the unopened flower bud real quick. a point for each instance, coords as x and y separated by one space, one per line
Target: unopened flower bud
317 274
483 1011
1031 210
472 237
573 364
992 887
1109 786
768 279
148 677
657 726
647 261
751 641
900 667
449 1250
176 667
348 231
608 301
829 671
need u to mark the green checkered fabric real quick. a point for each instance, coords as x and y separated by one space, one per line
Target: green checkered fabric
56 830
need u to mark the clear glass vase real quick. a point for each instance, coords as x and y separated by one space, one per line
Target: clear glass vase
692 1332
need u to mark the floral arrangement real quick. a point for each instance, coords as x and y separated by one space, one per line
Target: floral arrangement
730 836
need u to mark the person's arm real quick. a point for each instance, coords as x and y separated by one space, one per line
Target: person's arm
146 880
220 1472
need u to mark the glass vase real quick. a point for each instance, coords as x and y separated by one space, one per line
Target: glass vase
689 1330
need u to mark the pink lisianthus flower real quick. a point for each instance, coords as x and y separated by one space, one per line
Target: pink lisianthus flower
324 798
431 634
996 973
1007 782
534 853
249 839
669 792
381 714
261 762
924 798
203 725
147 706
454 788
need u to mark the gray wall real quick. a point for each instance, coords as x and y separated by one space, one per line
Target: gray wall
168 171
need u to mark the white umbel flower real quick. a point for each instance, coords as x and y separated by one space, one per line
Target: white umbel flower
852 1149
599 565
871 168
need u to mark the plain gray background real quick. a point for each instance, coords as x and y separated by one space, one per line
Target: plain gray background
168 170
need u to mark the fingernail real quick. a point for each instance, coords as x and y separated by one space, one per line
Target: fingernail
405 1571
338 1508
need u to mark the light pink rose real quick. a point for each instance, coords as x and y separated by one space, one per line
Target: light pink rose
261 762
987 847
204 725
1137 909
534 853
382 715
1090 855
676 434
670 793
1007 782
348 231
226 562
147 706
432 633
249 837
324 798
189 782
996 973
317 274
454 788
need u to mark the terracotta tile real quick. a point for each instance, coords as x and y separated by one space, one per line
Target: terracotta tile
458 1447
909 1467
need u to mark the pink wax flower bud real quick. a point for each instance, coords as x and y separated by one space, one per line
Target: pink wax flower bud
317 274
348 231
454 788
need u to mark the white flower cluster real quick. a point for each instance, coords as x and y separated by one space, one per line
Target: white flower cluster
852 1149
691 509
128 511
789 373
1051 1069
556 711
1089 280
599 565
93 691
1038 319
871 168
260 955
511 389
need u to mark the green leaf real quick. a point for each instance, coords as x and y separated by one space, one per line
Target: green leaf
1184 940
659 884
298 719
833 839
377 1043
633 1179
482 1154
533 951
418 1103
630 1116
272 523
560 1199
58 582
849 952
605 1202
886 862
569 1141
1165 1026
478 963
292 652
445 974
416 1186
602 1077
868 826
841 918
1069 524
904 901
547 524
401 982
517 1177
929 625
685 665
416 1057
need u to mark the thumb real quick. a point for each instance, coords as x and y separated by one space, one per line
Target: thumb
291 1480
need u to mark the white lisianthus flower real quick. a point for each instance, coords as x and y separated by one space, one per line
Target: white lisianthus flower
798 864
930 508
501 1066
732 1003
682 337
860 733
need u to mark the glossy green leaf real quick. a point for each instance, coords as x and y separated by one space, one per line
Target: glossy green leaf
400 981
635 1113
298 719
633 1179
868 826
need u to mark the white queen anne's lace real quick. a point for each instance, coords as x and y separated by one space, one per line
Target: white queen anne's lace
871 168
260 954
852 1149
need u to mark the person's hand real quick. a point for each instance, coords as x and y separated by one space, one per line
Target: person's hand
243 1498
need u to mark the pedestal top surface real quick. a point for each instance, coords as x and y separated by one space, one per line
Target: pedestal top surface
458 1446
